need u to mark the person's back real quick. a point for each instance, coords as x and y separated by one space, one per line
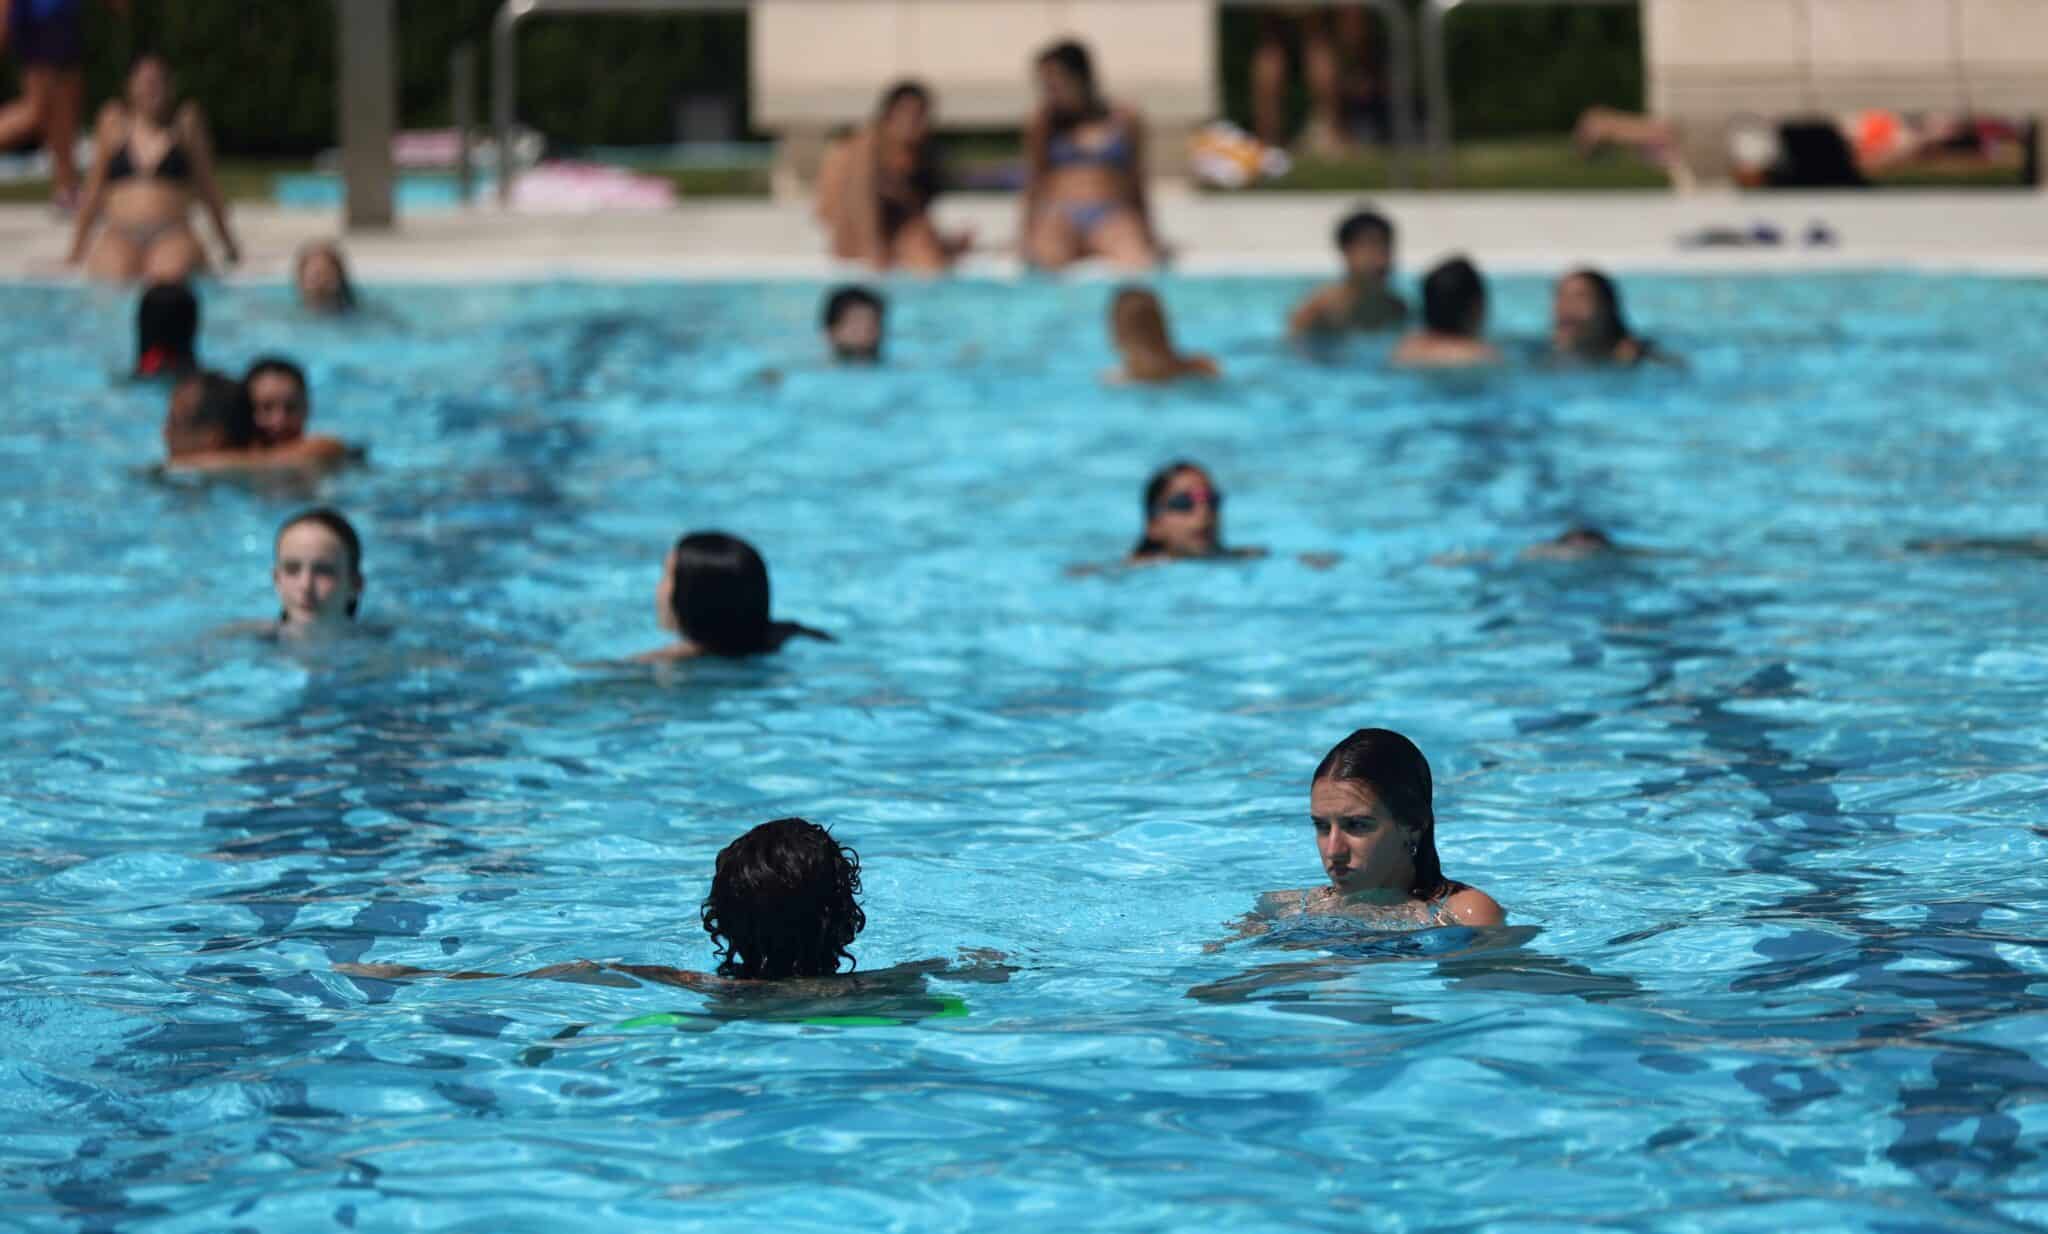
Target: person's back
1453 317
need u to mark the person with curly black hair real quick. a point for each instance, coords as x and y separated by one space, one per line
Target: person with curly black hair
784 903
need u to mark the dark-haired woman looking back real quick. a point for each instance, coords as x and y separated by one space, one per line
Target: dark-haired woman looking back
1588 326
1085 195
1370 804
714 593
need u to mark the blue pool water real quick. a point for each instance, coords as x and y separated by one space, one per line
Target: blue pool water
1766 807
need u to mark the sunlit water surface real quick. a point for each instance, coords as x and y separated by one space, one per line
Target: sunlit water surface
1765 804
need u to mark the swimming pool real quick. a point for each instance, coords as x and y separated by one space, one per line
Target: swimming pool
1765 806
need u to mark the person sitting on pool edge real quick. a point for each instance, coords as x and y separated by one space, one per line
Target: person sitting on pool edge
166 331
714 593
1184 519
853 321
280 404
1375 829
1137 328
320 280
1453 317
1361 300
1588 326
876 188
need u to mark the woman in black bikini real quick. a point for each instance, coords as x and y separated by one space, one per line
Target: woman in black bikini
152 163
1086 193
876 189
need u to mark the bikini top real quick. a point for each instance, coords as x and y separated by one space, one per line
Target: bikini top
1064 151
175 165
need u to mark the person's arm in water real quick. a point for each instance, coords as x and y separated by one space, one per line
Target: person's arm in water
576 972
192 123
1320 312
314 452
105 138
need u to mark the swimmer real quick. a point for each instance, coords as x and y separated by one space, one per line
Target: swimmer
318 573
877 186
1575 544
1084 192
1361 300
784 908
154 162
320 280
1184 519
207 420
1588 326
853 320
1375 828
1137 328
166 331
279 405
1453 318
714 593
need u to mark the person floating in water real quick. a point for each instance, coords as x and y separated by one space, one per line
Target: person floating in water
714 593
320 280
782 915
1375 830
166 332
211 426
876 189
280 404
1453 320
1137 328
853 319
318 573
1361 301
1084 195
1588 326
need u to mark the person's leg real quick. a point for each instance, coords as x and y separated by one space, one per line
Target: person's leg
1120 240
916 246
1322 70
1269 86
114 257
28 115
1051 243
173 257
67 105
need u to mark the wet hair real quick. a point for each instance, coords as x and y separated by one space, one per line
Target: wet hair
1398 775
166 330
1072 57
218 419
906 89
784 902
1362 223
1610 328
1452 294
1137 325
345 295
1155 493
351 543
265 365
720 597
842 300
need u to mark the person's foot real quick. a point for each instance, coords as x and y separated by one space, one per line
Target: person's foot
1321 139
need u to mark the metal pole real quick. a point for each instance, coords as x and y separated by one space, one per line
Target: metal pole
1437 84
462 72
369 112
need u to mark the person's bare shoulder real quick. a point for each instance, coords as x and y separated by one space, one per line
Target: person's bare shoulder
1203 366
1474 907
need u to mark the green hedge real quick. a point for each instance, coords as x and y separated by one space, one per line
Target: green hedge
265 68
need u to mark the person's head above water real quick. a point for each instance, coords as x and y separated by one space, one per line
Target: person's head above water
1366 239
1066 82
905 113
208 412
714 592
1375 825
320 277
279 400
318 570
1587 317
1183 514
853 320
166 331
1454 299
784 902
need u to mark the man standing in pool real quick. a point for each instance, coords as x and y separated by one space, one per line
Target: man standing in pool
1361 300
853 325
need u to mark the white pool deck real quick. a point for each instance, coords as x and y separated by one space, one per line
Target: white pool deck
1988 231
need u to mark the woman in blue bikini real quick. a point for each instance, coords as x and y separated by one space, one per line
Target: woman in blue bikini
1085 196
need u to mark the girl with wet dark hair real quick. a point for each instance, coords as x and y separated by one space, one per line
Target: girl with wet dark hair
1588 325
166 331
320 279
1370 802
784 903
1183 518
714 593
